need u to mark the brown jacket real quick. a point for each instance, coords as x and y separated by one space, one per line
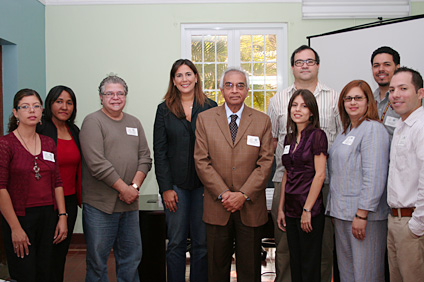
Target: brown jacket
239 167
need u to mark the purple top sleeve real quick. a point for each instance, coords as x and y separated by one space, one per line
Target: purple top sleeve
300 167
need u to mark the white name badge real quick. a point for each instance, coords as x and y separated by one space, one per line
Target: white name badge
132 131
391 121
349 140
253 141
48 156
402 140
286 149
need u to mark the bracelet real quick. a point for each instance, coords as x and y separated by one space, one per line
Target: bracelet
65 214
306 210
361 217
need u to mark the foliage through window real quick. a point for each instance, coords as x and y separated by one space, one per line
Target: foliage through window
261 51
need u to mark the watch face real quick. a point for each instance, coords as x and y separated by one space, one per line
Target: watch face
135 186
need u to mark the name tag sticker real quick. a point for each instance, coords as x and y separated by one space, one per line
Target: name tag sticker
402 140
48 156
253 141
391 121
349 140
132 131
286 149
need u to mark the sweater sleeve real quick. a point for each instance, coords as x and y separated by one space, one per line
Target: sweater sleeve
92 146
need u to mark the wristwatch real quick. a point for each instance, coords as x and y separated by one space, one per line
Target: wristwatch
135 186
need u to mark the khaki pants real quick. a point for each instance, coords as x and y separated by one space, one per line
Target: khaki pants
405 251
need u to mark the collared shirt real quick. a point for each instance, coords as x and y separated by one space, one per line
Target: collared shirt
390 116
405 188
230 113
330 123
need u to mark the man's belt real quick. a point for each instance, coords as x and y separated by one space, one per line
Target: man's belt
403 212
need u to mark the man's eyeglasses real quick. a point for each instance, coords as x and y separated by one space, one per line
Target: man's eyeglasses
26 108
308 62
117 94
356 98
229 85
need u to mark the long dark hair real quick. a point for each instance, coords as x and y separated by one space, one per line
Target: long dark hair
173 96
312 105
54 93
13 121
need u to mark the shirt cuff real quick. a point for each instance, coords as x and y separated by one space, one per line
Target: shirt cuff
416 227
220 195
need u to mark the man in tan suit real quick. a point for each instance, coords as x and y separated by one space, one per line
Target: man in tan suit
233 157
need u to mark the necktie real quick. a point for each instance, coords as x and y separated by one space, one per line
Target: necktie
233 127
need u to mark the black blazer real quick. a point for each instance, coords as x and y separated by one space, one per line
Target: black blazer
171 145
48 128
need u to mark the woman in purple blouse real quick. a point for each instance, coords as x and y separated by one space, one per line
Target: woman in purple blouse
301 211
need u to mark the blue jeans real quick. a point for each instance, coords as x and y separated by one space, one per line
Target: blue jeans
188 217
120 231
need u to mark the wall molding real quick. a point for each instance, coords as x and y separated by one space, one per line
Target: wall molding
129 2
340 9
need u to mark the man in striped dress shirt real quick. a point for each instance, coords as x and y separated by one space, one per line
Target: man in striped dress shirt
305 65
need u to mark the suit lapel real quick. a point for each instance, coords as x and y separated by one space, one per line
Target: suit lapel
221 120
245 121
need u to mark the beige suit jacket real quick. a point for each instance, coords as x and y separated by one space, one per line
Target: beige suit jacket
222 165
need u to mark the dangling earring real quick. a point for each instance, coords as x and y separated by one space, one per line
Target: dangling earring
17 121
41 123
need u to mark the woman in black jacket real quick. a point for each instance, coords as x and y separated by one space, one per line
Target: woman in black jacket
58 123
181 189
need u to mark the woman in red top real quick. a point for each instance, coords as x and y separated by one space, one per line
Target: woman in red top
30 190
58 124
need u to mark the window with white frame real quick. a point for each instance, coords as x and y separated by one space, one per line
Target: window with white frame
259 49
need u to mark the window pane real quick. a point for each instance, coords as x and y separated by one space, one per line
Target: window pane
258 48
210 94
221 49
271 47
245 48
220 68
220 100
248 100
271 76
247 67
258 79
269 95
209 48
209 78
196 48
258 100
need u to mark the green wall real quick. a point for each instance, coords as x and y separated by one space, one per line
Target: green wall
140 43
22 36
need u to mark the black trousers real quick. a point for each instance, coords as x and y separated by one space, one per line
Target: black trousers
220 242
39 224
305 249
61 250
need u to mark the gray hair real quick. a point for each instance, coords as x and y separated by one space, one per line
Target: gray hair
112 78
230 69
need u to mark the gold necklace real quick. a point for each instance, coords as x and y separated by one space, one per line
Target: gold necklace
36 168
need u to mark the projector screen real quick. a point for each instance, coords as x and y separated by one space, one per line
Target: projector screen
346 54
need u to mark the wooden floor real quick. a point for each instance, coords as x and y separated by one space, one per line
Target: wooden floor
75 266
